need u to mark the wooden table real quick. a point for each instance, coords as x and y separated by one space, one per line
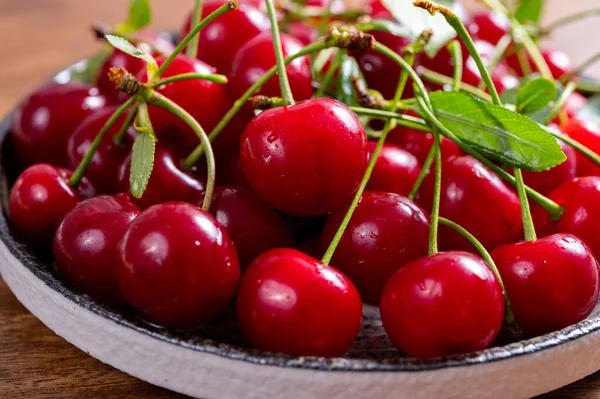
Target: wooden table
38 37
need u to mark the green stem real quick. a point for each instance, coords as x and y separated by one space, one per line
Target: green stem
560 102
192 50
456 52
401 120
422 173
577 71
438 78
82 167
216 78
589 154
532 49
569 19
330 73
501 48
437 192
284 83
523 60
118 138
528 227
230 5
240 102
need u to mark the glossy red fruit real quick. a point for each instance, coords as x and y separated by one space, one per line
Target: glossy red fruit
474 197
42 124
303 32
386 232
103 170
256 57
221 39
306 159
546 181
587 132
168 182
500 76
574 103
85 244
558 61
551 282
229 166
178 267
489 26
289 302
39 200
419 143
444 304
253 226
396 170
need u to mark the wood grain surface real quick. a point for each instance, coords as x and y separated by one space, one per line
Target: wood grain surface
37 38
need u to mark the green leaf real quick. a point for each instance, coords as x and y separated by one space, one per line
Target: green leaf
497 132
140 15
529 10
535 95
142 161
347 72
128 48
384 25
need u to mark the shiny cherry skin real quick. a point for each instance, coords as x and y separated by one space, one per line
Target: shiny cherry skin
254 227
444 304
256 57
39 200
386 232
396 170
177 265
303 32
587 132
558 61
551 282
546 181
42 124
474 197
489 26
306 159
419 143
581 216
85 244
168 182
574 103
221 39
103 170
290 302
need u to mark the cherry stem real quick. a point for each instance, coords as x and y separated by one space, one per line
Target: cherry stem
437 193
82 167
438 78
523 37
422 173
240 102
335 65
569 19
509 317
284 83
577 71
192 50
229 6
523 61
118 138
216 78
528 227
591 155
401 120
501 48
456 52
560 102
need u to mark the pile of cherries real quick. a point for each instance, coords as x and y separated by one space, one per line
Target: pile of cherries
285 179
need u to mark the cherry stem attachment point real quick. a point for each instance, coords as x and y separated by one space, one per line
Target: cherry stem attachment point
216 78
192 50
284 83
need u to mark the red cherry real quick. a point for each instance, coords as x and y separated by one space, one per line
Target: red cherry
253 226
306 159
546 181
396 170
222 38
85 244
42 124
229 166
419 143
103 170
500 76
39 200
551 282
474 197
489 26
303 32
574 103
558 61
444 304
256 57
289 302
386 232
587 132
178 267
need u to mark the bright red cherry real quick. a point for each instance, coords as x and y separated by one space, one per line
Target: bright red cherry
306 159
474 197
178 267
396 170
587 132
253 226
303 32
103 170
85 244
551 282
558 61
489 26
256 57
222 38
444 304
386 232
290 302
42 124
39 200
546 181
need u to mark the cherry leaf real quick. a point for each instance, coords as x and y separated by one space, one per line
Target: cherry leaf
142 153
535 95
347 73
128 48
529 10
140 15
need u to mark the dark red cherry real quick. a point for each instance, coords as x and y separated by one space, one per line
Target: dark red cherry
490 26
474 197
396 170
546 181
303 32
256 57
85 244
551 282
419 143
178 267
290 302
42 124
103 170
444 304
306 159
386 232
230 169
168 182
221 39
39 200
587 132
253 226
